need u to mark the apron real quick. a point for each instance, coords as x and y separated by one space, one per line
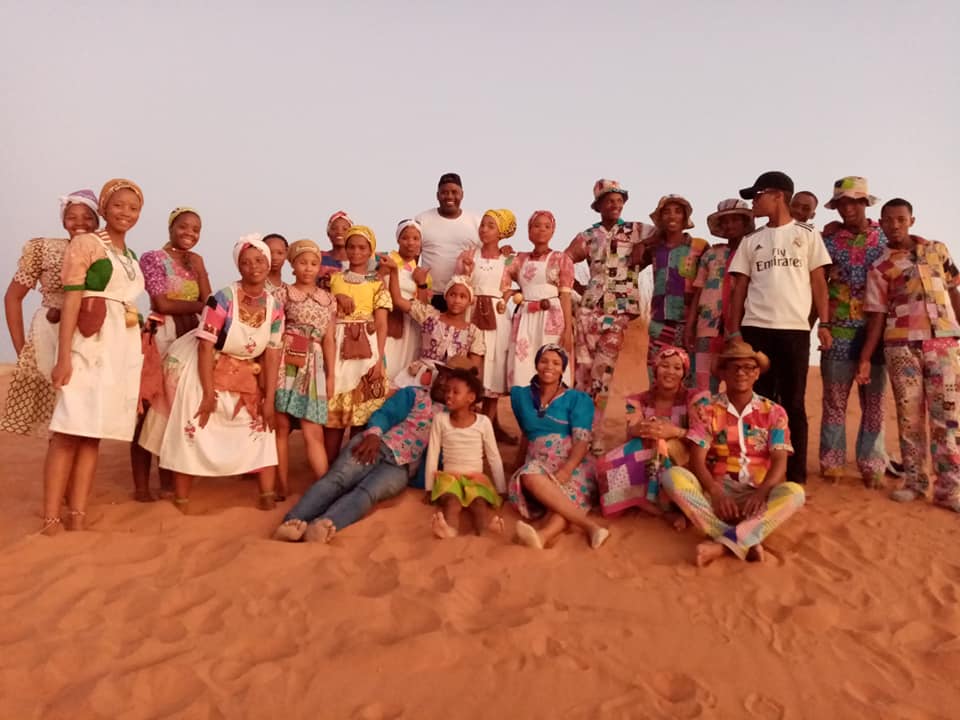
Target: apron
100 401
539 321
487 283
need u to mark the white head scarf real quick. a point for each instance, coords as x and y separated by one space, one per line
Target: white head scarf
404 224
253 240
78 197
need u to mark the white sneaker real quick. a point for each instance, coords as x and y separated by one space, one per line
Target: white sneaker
905 495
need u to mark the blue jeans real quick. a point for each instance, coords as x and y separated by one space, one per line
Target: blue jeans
349 490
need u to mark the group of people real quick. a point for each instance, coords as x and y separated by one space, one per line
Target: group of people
409 352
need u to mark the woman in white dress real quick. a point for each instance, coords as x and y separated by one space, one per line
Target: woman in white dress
221 416
545 316
403 333
97 374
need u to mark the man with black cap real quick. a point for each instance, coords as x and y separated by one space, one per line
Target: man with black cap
447 232
778 272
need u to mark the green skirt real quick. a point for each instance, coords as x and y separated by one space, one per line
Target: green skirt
466 488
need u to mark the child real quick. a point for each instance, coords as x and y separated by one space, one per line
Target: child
486 267
545 316
675 256
913 303
278 255
711 290
335 259
306 364
443 335
403 336
464 438
361 335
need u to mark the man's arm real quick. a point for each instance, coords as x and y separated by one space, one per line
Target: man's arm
875 322
738 297
821 302
393 411
955 302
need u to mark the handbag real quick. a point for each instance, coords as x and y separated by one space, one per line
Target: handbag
295 349
484 316
93 312
369 389
395 324
356 344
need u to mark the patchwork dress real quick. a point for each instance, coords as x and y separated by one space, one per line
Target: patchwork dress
439 342
302 380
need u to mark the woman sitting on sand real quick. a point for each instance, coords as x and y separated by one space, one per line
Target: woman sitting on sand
657 429
31 395
556 479
221 398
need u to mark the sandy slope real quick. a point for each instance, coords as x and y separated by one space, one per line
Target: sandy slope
152 614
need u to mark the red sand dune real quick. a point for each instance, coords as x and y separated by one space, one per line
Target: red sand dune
155 615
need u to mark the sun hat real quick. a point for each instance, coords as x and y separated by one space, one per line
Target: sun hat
676 200
739 350
731 206
852 186
602 187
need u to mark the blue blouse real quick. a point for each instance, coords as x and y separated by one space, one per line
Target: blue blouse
569 415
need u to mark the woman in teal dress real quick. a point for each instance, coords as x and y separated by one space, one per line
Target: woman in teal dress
556 480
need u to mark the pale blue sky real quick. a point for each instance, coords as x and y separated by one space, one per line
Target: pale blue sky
270 118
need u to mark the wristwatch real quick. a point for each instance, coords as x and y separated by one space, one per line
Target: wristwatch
422 286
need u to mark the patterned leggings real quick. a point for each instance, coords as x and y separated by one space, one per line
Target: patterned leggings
924 377
685 490
599 340
839 373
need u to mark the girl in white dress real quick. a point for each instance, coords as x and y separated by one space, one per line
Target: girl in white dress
545 315
221 417
97 374
486 266
403 333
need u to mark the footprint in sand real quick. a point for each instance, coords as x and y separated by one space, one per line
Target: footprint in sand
378 711
377 579
682 695
440 581
763 707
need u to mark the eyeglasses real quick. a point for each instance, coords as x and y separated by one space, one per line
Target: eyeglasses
742 368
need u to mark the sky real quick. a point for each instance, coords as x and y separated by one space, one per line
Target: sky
269 117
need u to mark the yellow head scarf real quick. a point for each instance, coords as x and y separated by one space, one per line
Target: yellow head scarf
506 222
112 186
364 232
177 212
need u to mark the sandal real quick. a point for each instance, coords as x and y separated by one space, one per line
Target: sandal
75 520
50 527
268 500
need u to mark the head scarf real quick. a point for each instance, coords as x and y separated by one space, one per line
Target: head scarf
78 197
506 222
669 351
299 247
253 241
336 216
459 280
552 347
538 213
112 186
177 212
364 232
404 224
535 390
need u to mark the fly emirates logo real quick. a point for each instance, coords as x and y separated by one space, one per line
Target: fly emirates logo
779 259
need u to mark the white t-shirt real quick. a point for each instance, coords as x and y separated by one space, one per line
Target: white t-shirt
463 450
443 241
778 262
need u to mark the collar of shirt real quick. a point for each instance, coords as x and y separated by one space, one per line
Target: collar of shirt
744 474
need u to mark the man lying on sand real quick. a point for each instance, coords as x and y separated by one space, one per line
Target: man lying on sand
736 493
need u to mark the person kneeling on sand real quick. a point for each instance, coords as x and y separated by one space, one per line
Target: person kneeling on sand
736 493
374 466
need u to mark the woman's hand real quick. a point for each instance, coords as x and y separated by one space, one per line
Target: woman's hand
269 414
420 274
208 406
863 372
330 387
345 305
375 372
562 476
61 373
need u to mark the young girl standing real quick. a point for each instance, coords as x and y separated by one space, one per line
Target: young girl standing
464 438
31 397
443 335
98 356
361 335
335 259
403 335
306 364
545 316
486 267
278 254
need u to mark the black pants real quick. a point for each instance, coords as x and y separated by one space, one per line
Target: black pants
439 302
786 384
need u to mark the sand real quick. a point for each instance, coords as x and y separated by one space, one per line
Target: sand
152 614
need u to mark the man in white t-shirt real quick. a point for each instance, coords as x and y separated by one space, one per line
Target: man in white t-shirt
778 273
447 232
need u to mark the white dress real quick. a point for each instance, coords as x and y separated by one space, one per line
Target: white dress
488 281
233 442
100 400
402 351
534 327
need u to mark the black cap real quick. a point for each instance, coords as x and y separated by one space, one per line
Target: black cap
771 180
450 178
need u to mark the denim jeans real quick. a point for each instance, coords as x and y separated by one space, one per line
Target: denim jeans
349 490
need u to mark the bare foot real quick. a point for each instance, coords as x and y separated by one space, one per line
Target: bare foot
678 521
290 531
182 504
267 501
320 531
528 535
707 552
143 496
51 526
598 537
75 520
440 528
874 482
756 554
496 524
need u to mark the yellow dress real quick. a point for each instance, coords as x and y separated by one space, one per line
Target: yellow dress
347 407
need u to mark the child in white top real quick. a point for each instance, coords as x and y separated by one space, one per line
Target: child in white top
465 438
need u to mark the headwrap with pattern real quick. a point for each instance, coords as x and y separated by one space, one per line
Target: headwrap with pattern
364 232
79 197
669 351
177 212
506 222
112 186
336 216
253 240
459 280
538 213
